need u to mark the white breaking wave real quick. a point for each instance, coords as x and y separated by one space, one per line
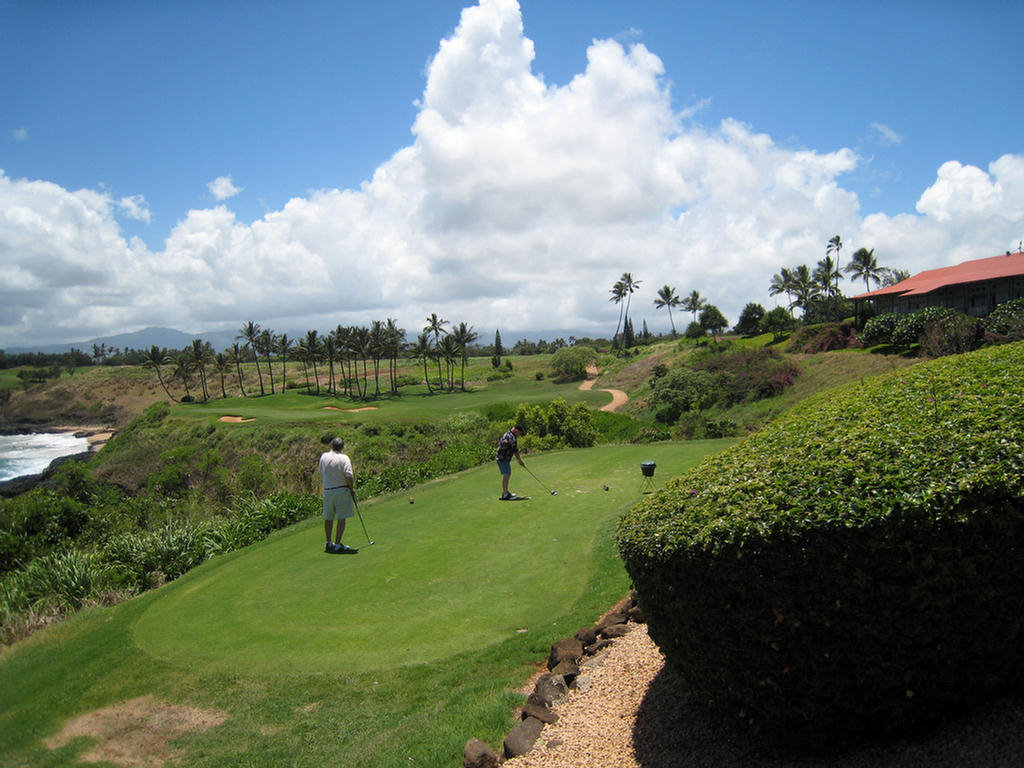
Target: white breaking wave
31 454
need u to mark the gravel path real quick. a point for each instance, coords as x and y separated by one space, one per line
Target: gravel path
626 714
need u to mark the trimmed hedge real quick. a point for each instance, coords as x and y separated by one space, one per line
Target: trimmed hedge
856 567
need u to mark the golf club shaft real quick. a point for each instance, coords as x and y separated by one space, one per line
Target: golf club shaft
360 516
538 480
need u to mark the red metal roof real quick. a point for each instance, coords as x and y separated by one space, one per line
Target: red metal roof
994 267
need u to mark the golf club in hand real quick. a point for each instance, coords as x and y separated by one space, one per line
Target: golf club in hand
553 493
360 515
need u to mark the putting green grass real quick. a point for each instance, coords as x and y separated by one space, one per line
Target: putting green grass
457 569
392 657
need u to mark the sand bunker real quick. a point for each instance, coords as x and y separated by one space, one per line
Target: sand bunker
235 419
135 732
350 410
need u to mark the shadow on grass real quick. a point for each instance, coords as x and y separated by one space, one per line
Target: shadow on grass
671 732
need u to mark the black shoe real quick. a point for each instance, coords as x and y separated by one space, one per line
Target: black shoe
505 497
331 549
342 549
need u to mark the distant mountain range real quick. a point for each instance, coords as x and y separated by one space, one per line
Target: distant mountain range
221 340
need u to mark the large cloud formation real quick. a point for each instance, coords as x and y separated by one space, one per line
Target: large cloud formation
516 206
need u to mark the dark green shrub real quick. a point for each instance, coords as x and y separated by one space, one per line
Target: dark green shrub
1006 322
695 331
255 474
778 322
879 329
680 391
855 567
570 363
950 335
823 337
910 327
748 374
749 323
555 426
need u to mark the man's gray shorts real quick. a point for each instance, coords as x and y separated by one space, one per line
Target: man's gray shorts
338 504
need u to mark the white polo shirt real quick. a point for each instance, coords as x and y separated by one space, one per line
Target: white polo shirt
335 469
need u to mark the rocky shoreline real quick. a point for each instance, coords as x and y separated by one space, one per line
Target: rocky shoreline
96 436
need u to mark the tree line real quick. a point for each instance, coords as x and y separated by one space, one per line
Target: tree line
349 357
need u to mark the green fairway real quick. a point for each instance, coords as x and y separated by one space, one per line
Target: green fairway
316 659
455 570
413 401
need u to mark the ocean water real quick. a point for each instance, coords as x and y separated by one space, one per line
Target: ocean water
31 454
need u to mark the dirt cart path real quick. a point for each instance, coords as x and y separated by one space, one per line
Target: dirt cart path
619 397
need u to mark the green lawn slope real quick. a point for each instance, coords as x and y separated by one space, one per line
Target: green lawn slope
395 656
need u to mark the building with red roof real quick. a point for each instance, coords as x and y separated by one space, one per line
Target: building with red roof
973 287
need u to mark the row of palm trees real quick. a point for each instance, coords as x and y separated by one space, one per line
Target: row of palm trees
802 285
346 355
626 285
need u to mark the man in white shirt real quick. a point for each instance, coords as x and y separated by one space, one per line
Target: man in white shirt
339 492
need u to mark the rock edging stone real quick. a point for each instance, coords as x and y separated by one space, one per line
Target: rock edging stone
564 672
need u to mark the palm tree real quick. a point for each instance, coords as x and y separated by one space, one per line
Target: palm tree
618 293
864 266
782 282
377 350
827 273
893 276
805 288
693 303
834 246
330 352
154 358
464 335
361 344
313 349
183 369
284 346
250 332
222 364
449 350
435 325
342 354
630 286
667 298
201 353
265 345
353 349
393 336
235 356
421 351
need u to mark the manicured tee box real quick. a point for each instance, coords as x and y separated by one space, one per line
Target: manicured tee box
857 567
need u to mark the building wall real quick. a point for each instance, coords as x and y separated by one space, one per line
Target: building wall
977 299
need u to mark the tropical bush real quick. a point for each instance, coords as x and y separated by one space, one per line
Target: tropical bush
909 327
570 363
879 329
1006 322
749 323
778 322
719 379
823 337
853 568
557 425
680 391
748 374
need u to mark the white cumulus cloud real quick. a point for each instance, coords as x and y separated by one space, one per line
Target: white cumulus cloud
222 188
516 205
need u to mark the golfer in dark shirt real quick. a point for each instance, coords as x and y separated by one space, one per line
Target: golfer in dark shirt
508 446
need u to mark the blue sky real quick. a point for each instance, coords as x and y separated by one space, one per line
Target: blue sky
200 164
